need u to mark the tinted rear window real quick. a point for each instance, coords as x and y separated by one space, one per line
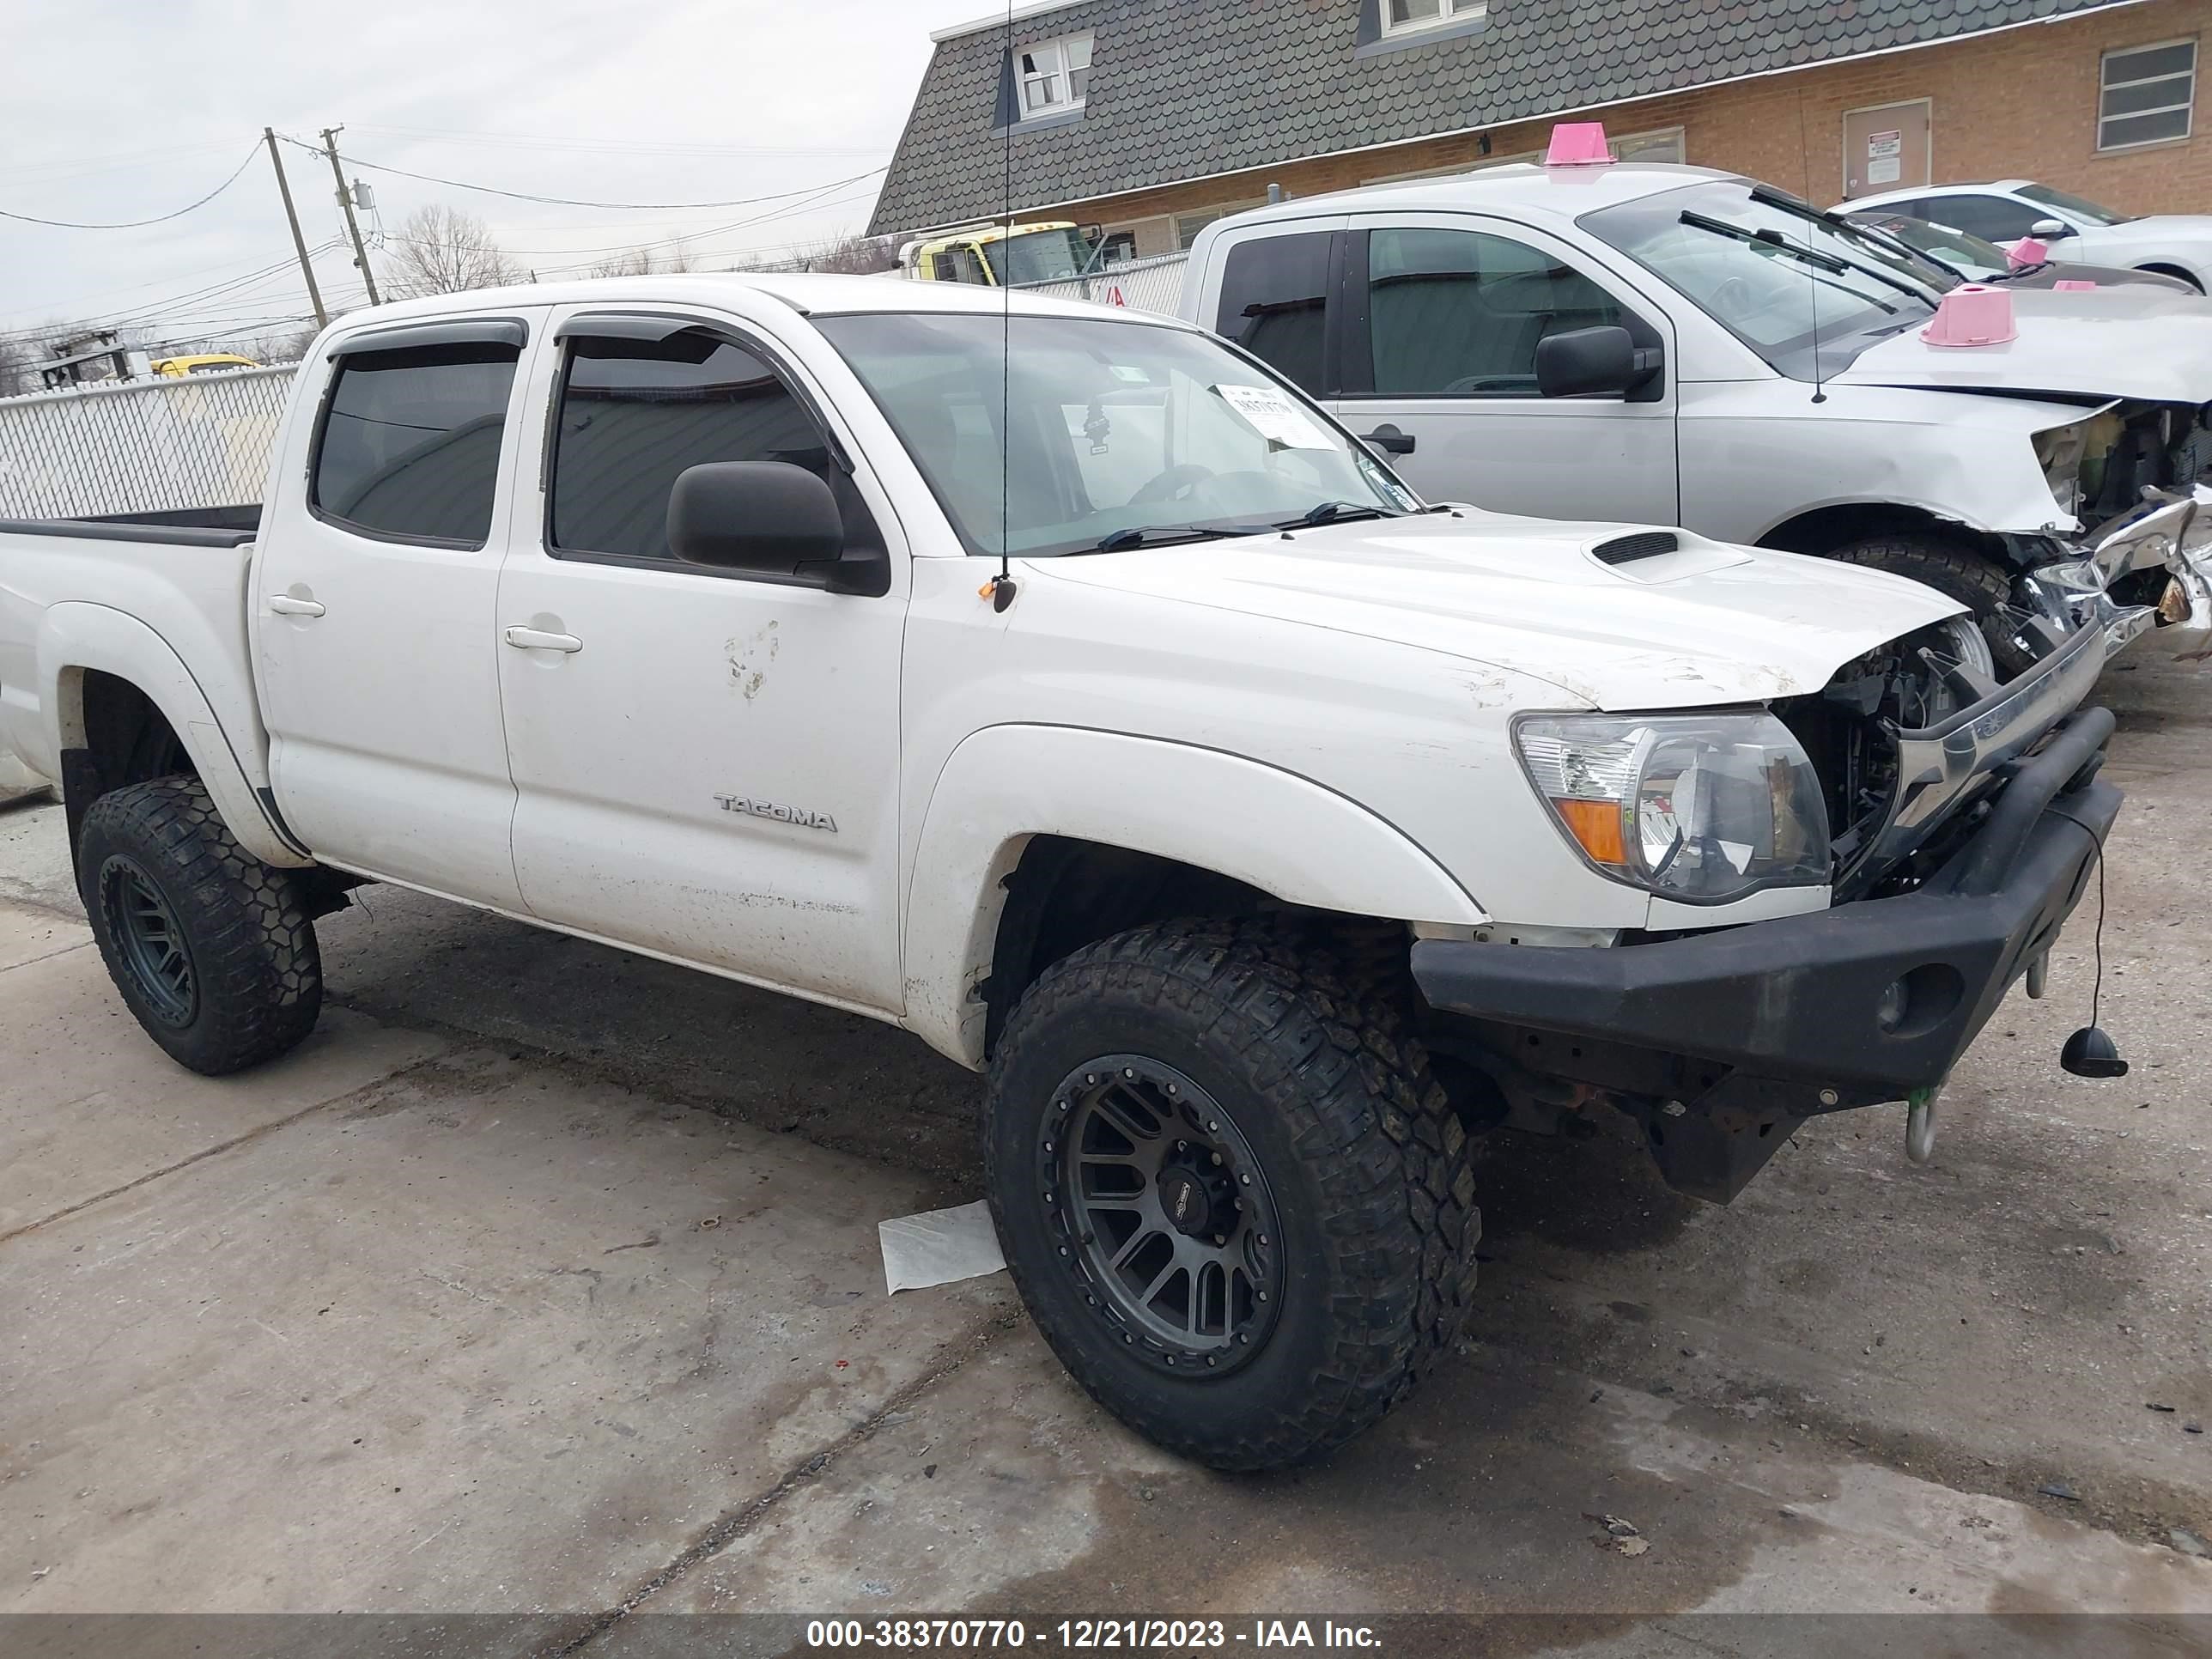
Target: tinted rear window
1275 294
410 441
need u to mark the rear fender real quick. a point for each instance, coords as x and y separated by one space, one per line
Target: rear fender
74 638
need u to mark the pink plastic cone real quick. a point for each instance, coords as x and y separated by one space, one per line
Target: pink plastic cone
1578 145
2028 251
2068 285
1971 314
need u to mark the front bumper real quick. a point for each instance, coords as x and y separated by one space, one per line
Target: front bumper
1726 1037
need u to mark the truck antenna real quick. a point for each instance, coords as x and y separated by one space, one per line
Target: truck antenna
1000 588
1812 271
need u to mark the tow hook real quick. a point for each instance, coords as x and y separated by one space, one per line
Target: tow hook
1920 1122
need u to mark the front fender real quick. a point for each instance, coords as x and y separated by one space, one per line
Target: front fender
75 637
1272 829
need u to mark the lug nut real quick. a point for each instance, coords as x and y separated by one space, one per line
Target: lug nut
1213 1126
1128 1070
1246 1179
1217 1158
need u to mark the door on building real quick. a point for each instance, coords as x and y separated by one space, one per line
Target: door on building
1887 148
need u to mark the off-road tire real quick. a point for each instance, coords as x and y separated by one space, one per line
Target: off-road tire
1956 572
256 976
1368 1166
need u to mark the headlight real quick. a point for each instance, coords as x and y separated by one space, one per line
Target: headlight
1700 808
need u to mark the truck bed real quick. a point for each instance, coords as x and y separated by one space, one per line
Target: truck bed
74 578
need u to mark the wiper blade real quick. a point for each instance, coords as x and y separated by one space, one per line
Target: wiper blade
1323 512
1773 239
1830 263
1167 535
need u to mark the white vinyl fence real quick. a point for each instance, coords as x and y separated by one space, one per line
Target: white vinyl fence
1141 284
157 445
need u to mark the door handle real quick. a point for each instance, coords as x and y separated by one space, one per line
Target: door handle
533 639
1391 441
285 606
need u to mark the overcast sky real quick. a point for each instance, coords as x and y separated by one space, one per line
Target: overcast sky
123 109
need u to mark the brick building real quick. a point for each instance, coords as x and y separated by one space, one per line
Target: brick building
1148 118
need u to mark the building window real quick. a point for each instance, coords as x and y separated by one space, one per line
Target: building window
1055 75
1404 16
1188 225
2145 94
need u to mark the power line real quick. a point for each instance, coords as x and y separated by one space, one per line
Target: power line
138 224
567 201
611 146
228 289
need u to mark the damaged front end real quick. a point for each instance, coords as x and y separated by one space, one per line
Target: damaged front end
1966 818
2135 476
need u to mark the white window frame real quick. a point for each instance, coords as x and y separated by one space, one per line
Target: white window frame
1448 12
2104 86
1056 70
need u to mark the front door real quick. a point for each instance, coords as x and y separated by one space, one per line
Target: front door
706 762
375 611
1439 342
1886 148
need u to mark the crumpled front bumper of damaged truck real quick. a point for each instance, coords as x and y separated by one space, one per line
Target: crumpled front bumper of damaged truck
2113 582
1720 1043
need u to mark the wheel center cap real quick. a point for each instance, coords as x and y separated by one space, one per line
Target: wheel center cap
1183 1196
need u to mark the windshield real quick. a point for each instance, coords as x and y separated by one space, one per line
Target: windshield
1122 432
1970 256
1038 256
2080 207
1778 274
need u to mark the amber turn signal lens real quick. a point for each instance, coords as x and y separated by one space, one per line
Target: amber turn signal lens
1597 826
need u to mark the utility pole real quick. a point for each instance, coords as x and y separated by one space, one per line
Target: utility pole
345 201
299 242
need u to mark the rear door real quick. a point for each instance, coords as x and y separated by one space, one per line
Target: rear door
1442 315
374 607
706 760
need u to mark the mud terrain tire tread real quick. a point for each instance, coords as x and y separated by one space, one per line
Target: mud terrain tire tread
1955 571
1370 1129
254 956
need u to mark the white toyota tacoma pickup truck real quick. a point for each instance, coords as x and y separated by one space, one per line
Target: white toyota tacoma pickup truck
1118 725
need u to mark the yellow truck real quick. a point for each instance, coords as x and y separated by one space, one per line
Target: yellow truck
205 362
997 255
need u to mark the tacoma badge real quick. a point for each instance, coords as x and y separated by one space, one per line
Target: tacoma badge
768 809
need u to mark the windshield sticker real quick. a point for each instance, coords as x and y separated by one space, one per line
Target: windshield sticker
1275 417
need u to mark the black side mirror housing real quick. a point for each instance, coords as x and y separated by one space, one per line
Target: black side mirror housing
1587 362
772 519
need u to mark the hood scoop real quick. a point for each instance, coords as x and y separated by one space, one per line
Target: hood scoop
1644 544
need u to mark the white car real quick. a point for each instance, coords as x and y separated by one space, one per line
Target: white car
1122 728
1670 345
2075 229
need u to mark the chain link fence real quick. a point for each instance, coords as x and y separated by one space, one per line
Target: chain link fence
1153 284
187 445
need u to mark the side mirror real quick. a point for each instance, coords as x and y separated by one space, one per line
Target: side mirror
1583 362
770 516
2052 230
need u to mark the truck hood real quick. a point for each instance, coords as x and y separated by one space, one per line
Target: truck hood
1704 623
2151 343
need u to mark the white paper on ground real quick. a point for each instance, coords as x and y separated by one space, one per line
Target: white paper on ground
939 1246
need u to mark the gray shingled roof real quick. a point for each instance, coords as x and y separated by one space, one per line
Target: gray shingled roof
1186 88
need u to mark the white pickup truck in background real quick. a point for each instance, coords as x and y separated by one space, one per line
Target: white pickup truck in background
1668 345
1106 716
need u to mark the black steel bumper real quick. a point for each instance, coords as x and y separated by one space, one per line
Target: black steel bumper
1795 1004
